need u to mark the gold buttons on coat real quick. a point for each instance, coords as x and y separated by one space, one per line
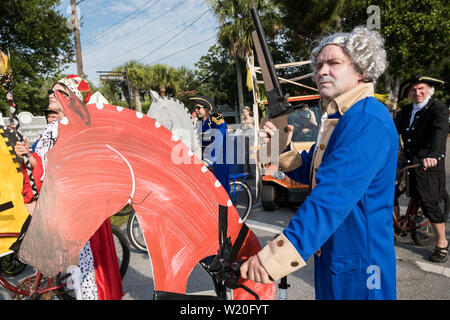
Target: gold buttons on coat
322 147
280 243
294 264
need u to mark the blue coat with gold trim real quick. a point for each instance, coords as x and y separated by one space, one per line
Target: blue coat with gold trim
349 212
214 148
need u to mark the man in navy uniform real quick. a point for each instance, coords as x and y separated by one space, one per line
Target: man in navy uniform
214 139
346 221
423 126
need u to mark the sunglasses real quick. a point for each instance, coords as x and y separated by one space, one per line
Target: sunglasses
198 107
51 91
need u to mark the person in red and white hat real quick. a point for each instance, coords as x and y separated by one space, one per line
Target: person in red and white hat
97 280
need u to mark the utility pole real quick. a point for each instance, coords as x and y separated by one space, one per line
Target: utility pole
76 32
127 79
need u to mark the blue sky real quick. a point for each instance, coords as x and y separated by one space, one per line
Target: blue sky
113 32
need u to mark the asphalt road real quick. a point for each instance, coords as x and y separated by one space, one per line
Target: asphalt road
417 278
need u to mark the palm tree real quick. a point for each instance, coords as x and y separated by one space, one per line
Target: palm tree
161 78
137 76
236 27
185 79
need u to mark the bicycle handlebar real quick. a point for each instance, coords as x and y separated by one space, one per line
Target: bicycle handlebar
411 166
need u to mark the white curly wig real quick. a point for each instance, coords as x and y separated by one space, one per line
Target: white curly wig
364 47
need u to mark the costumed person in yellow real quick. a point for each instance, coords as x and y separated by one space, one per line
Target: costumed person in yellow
346 221
12 206
13 212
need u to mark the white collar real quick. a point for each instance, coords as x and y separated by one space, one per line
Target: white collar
422 104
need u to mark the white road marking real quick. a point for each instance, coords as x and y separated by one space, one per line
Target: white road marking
252 224
428 267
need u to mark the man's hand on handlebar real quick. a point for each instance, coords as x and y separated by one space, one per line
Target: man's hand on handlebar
429 163
252 269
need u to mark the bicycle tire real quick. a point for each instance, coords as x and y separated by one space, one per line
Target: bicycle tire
425 235
135 234
125 246
123 256
269 199
241 197
11 266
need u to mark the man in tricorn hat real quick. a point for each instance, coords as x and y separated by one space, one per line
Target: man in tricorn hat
423 126
214 139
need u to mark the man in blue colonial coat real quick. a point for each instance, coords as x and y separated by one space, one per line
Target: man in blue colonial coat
346 221
214 139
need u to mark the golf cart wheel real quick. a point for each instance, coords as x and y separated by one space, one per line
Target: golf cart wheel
269 197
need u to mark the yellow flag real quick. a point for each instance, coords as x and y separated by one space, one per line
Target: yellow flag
5 66
249 78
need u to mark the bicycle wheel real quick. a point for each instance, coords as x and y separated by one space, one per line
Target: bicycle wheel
423 233
122 249
11 266
135 234
241 197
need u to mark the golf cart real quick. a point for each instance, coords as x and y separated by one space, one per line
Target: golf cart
277 187
274 186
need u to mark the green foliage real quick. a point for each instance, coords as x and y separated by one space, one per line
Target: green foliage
215 72
417 32
40 44
306 21
164 79
236 24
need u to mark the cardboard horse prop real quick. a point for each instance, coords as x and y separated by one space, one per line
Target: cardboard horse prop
106 156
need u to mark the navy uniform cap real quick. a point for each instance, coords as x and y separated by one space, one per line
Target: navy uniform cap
204 101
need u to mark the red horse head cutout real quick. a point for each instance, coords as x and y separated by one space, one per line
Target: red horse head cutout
106 156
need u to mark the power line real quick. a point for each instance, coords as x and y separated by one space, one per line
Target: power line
130 32
131 50
109 29
161 35
182 50
195 20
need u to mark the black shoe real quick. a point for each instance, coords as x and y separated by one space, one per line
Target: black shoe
440 255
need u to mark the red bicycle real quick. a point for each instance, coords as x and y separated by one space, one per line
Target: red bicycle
38 286
33 287
412 221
